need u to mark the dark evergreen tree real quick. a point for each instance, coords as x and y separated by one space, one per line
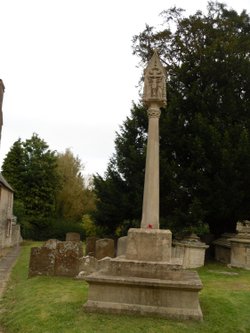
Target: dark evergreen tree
119 193
204 130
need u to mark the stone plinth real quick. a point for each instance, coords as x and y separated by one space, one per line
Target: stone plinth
191 250
151 288
149 245
223 248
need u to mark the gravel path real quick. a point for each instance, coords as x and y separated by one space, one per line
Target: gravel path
6 264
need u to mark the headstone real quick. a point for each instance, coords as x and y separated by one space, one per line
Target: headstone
67 259
42 261
104 248
90 246
73 237
121 246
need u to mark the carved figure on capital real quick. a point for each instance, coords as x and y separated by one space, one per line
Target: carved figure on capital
154 82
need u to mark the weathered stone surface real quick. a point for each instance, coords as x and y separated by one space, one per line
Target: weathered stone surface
42 261
16 237
73 237
174 296
240 252
240 246
223 248
67 259
121 246
154 97
90 246
87 265
143 269
104 248
149 245
191 250
51 244
243 227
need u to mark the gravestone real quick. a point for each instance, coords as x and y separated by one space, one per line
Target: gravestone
42 261
73 237
90 246
121 246
56 258
67 258
104 247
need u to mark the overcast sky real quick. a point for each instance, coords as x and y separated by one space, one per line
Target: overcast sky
69 72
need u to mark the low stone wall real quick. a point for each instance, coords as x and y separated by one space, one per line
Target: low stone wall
11 237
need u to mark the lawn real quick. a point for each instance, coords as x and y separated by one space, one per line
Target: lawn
54 305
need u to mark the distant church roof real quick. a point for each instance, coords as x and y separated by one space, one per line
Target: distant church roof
4 182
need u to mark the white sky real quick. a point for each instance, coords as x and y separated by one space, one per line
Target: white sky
69 72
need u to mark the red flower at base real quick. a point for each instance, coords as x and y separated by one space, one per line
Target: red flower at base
150 226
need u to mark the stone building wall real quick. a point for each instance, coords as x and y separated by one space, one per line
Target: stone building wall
1 102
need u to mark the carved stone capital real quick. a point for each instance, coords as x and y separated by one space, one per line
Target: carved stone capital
154 112
155 82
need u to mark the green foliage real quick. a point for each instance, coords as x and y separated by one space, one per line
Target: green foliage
30 168
54 304
50 193
204 130
74 198
119 193
89 226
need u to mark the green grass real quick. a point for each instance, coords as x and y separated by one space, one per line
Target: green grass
54 305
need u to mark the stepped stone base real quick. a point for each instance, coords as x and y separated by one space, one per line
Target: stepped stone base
144 288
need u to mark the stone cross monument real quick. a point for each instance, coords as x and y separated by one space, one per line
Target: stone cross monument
154 97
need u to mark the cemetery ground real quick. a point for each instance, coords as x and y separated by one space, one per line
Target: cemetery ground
54 304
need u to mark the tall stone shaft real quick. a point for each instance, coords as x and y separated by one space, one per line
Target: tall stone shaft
154 97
